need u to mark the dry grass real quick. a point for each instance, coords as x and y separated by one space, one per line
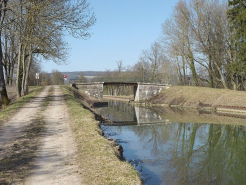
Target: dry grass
14 105
12 92
97 159
189 96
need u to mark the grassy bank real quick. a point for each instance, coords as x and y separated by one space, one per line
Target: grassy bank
188 96
97 156
13 106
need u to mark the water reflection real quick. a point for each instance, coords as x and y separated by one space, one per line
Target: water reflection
195 149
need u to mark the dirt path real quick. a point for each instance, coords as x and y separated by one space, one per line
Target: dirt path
53 161
15 127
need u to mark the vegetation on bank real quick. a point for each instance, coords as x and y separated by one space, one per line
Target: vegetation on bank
13 107
97 156
189 96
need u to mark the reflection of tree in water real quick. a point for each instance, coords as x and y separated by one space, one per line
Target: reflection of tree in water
197 153
192 153
217 159
154 137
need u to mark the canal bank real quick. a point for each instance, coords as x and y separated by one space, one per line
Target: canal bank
98 157
178 146
203 98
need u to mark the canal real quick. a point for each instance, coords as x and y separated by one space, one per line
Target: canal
179 146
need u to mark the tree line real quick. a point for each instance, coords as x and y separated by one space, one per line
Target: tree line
34 29
202 44
206 38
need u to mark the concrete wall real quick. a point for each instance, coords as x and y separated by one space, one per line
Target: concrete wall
146 90
94 89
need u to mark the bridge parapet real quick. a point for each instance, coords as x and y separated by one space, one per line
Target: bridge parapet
116 79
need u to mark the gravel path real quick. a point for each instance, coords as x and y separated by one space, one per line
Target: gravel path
53 160
15 127
55 163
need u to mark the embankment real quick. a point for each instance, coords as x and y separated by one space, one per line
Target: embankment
201 97
98 157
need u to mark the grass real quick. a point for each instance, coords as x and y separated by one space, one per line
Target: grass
189 96
97 156
47 99
13 107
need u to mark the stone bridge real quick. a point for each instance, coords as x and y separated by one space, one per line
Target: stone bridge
142 91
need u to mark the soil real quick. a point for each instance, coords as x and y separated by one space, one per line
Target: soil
36 146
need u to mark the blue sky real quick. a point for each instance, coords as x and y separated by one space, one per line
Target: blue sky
123 29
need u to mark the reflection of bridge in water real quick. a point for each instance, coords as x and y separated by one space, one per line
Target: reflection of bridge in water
122 114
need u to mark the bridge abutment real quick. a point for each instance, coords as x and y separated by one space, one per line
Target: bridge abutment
94 89
146 90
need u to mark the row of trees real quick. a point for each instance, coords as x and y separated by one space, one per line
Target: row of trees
206 38
202 43
30 29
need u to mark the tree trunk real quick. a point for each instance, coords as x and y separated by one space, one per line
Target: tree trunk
192 67
3 91
23 70
210 70
11 74
221 75
193 71
18 86
179 74
27 72
6 66
183 68
4 94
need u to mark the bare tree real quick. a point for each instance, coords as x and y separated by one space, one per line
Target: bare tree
196 36
57 78
3 91
38 28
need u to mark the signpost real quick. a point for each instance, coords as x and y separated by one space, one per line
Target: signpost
37 78
65 77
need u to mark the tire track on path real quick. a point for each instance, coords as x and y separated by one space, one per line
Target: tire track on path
15 127
55 162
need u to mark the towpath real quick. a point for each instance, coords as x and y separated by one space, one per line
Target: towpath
37 146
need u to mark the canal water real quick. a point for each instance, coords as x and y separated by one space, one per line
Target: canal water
179 146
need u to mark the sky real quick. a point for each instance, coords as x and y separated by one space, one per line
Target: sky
123 29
